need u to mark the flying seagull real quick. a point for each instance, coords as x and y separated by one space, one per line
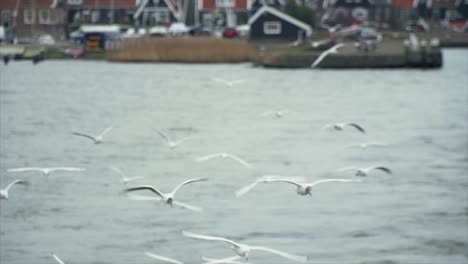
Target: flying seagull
240 192
365 171
125 179
162 258
97 139
306 188
333 49
224 155
171 143
167 198
243 249
341 126
228 260
45 171
366 145
57 259
227 83
4 192
278 113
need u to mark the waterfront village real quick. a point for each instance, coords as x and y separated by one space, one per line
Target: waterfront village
271 33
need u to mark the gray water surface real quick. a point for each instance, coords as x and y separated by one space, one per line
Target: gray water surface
417 215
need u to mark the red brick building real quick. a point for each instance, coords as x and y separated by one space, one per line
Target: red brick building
30 18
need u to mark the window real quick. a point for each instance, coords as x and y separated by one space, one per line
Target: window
29 17
6 17
272 27
225 3
44 16
94 16
162 17
75 2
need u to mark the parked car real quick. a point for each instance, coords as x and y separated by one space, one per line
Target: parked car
199 31
45 39
230 33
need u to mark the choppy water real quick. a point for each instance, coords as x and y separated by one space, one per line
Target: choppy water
417 215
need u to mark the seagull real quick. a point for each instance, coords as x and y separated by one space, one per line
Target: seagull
170 143
243 249
365 171
45 171
167 198
341 126
57 259
224 155
4 192
333 49
96 139
227 83
125 179
278 114
306 188
240 192
156 198
166 259
366 145
228 260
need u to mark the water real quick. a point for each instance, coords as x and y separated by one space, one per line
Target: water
417 215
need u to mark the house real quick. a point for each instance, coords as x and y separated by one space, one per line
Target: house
30 18
157 13
99 12
347 12
257 4
269 23
223 12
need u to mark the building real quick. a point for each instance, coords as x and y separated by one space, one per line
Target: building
269 23
223 13
157 13
31 18
99 12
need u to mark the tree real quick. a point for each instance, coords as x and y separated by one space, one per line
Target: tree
301 12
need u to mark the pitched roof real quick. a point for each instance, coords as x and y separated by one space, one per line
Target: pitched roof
281 15
142 4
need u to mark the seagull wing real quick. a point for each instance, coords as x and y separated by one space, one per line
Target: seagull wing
320 58
246 189
16 182
237 81
220 80
105 132
208 157
158 257
231 260
57 259
145 187
163 135
84 135
357 127
348 169
331 180
188 206
24 169
387 170
182 140
241 161
119 171
297 258
66 169
325 53
283 180
212 238
267 113
187 182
